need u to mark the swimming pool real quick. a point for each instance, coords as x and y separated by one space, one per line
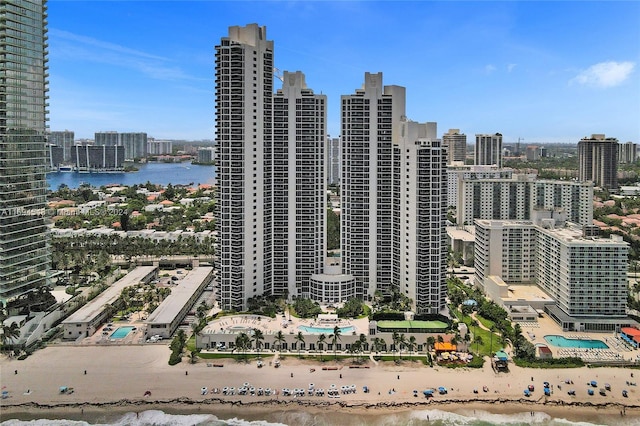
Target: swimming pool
325 330
121 332
563 342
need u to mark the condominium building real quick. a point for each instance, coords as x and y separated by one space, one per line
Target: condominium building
24 249
333 161
244 108
488 150
159 147
97 158
392 203
515 198
369 125
627 152
506 249
458 171
585 276
456 145
419 215
271 174
63 139
598 161
299 186
206 155
135 143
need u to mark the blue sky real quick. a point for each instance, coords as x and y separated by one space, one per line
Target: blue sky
549 71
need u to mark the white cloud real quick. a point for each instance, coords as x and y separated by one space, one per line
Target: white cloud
604 74
489 68
510 67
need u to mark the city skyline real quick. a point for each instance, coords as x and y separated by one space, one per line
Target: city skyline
530 70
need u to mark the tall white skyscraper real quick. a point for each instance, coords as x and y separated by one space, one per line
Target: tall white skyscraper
488 150
370 118
244 108
393 207
299 185
419 216
271 178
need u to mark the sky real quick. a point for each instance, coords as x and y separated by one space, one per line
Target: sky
547 71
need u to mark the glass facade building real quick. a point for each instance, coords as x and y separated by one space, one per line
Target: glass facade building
24 250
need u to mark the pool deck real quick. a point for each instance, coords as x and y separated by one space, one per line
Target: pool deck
617 351
270 326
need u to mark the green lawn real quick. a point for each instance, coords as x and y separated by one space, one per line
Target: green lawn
426 325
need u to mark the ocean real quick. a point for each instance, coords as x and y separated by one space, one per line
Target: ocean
290 417
158 173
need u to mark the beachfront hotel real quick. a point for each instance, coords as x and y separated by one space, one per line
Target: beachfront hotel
393 207
271 179
582 277
24 249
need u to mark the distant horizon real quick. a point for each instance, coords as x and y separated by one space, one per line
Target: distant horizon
528 70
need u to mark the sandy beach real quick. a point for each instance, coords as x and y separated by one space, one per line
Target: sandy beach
117 377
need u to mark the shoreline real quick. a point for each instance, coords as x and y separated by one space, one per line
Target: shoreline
118 377
277 410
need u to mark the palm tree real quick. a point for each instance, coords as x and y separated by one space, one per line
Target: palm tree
300 339
334 339
321 340
401 342
279 338
258 337
430 342
193 356
491 330
411 345
9 333
395 337
477 339
243 342
363 341
467 339
377 344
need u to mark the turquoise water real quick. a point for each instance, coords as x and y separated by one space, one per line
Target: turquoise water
563 342
121 332
326 330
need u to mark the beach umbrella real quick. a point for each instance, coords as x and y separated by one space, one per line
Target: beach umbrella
594 383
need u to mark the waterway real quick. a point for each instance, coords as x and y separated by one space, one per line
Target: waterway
157 173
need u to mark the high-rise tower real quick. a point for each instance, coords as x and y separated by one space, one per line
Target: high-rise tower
299 186
24 251
598 161
488 150
244 108
370 117
419 215
456 144
271 180
393 204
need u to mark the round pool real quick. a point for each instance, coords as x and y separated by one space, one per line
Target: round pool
563 342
